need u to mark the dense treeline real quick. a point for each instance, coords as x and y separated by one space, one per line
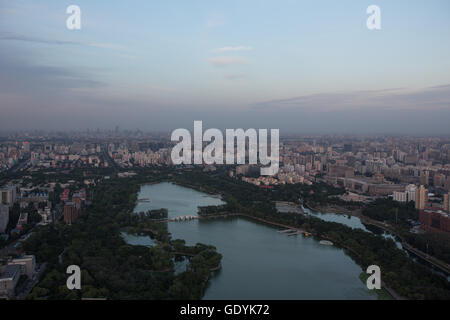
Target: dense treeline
211 210
434 243
110 267
393 212
399 215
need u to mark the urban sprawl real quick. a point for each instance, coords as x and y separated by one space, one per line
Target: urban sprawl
405 169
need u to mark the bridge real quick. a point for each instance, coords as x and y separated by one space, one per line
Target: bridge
182 218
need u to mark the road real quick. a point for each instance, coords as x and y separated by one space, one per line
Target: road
111 161
14 169
20 165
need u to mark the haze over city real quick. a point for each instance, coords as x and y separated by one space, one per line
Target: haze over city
301 66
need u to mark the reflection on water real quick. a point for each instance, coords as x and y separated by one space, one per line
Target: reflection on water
178 200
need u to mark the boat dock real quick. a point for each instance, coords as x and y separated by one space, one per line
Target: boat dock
294 232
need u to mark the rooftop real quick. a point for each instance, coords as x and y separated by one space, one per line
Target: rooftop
10 271
437 210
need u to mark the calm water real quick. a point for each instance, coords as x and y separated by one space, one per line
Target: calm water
138 240
350 221
355 222
258 262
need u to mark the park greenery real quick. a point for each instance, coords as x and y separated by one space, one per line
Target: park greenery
111 268
436 244
394 212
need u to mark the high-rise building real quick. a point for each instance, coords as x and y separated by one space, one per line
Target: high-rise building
8 195
71 212
421 198
399 196
411 192
408 195
446 205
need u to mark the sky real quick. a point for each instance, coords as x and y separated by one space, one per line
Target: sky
299 66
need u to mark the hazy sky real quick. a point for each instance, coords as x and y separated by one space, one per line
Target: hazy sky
301 66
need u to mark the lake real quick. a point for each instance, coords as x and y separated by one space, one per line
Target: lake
258 262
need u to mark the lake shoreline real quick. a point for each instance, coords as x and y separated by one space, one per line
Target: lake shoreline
253 220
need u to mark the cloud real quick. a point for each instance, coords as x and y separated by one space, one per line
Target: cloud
233 49
225 61
16 37
430 98
22 77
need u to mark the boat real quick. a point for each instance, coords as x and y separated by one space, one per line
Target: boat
326 242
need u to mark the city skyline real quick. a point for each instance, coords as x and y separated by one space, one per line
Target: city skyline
294 65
